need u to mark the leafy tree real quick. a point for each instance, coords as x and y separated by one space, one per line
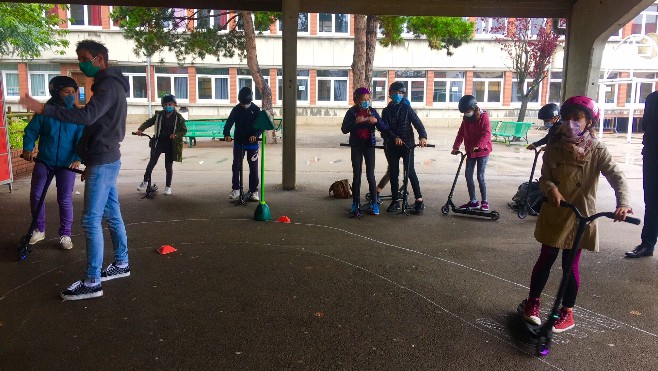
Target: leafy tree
529 48
27 29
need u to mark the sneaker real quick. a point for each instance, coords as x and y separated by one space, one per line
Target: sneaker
252 196
65 242
234 195
394 206
419 206
484 206
112 271
142 186
78 291
564 321
375 208
355 207
37 236
167 191
470 205
531 310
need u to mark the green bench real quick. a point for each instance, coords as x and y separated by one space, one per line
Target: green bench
511 131
214 128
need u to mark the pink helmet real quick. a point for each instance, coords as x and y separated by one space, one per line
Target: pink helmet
582 102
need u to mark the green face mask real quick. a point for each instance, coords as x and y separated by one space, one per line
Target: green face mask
88 68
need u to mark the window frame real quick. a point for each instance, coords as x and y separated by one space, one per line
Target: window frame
279 87
448 81
643 15
488 80
332 89
211 19
515 103
279 31
384 102
131 97
48 76
212 85
333 25
253 85
172 77
486 33
7 97
86 25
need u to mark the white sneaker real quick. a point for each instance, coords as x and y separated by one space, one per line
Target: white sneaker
142 186
235 194
37 236
167 190
253 196
65 242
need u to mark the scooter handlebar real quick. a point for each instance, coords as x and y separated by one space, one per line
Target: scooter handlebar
145 135
78 171
628 219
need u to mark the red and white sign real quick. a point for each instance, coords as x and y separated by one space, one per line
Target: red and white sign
5 155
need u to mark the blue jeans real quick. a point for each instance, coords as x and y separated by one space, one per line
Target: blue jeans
102 201
470 169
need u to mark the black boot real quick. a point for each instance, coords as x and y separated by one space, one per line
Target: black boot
394 206
640 251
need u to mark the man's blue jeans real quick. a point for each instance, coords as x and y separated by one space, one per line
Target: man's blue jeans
102 201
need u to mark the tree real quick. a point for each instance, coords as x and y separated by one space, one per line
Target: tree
530 48
27 29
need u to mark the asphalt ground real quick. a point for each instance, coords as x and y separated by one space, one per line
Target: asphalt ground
387 292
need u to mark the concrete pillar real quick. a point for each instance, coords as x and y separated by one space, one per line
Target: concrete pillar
289 53
590 24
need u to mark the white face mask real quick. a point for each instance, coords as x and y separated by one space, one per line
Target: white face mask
246 105
469 114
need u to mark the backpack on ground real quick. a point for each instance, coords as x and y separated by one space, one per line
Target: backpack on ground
535 196
341 189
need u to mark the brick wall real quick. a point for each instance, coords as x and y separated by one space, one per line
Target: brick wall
20 167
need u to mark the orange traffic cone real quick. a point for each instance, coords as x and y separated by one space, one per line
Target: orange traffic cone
166 249
283 219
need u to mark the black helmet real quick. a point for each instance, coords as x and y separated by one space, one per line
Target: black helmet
58 83
168 98
245 95
398 86
548 112
467 102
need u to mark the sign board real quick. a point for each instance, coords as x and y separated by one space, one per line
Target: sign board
5 151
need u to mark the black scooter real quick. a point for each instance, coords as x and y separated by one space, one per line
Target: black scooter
527 209
544 332
150 189
494 215
24 245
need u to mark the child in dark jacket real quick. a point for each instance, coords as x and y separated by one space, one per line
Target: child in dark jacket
550 114
401 119
57 148
246 136
360 122
168 139
475 132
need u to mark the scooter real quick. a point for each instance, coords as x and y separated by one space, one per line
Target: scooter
527 209
24 245
544 332
150 189
494 215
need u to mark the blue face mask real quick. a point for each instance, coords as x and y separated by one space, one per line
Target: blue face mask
365 104
169 109
548 124
68 100
396 98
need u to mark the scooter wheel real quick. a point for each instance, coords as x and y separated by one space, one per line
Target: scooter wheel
368 196
543 347
445 209
495 215
522 214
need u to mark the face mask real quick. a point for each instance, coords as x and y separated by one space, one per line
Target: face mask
88 68
245 106
396 98
469 114
365 104
548 124
68 100
573 129
169 109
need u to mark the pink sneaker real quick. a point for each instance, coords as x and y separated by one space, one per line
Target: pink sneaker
470 205
531 310
564 321
484 206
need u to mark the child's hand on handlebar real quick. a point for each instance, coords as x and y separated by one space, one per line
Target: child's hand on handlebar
27 155
530 147
139 132
75 165
422 142
398 141
252 139
554 197
228 138
454 152
621 212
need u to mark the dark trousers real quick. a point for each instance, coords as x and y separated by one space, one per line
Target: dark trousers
650 181
162 146
393 155
252 160
362 152
542 270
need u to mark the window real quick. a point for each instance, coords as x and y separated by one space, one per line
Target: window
488 86
39 76
448 86
245 79
490 26
172 80
536 24
379 86
332 85
114 25
302 85
333 23
84 15
211 18
555 87
212 84
177 19
646 21
642 89
414 81
517 95
137 78
10 80
302 24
